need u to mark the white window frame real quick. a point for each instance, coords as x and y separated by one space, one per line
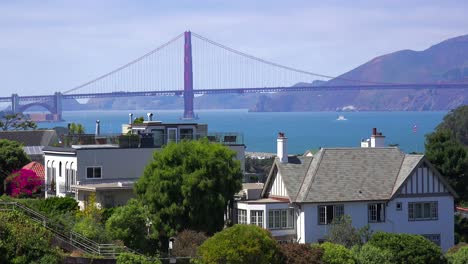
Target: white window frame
281 219
433 211
256 217
242 216
372 212
94 167
338 211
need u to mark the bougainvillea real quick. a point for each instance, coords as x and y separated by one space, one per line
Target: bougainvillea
23 183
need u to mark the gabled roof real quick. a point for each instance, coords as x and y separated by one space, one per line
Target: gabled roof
345 174
37 168
31 137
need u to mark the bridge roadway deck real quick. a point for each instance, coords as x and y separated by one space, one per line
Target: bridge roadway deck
457 86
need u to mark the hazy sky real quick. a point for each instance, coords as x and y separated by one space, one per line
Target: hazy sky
48 46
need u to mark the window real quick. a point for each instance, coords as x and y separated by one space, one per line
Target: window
93 172
399 206
241 216
60 169
158 137
171 135
376 212
329 212
281 219
422 211
434 238
256 218
186 133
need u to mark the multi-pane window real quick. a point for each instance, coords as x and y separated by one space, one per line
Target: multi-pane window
93 172
256 217
241 216
422 211
281 219
376 212
434 238
329 212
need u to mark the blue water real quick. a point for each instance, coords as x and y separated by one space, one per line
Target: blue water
305 130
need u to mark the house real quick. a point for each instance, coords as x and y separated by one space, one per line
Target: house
109 165
33 141
377 186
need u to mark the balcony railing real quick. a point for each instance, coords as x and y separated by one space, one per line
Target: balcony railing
149 140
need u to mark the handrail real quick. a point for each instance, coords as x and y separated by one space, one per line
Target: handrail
71 237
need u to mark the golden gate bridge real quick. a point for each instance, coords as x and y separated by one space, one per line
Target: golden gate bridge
191 64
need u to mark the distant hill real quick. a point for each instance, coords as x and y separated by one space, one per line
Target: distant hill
443 62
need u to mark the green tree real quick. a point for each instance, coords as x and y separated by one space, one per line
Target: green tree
458 257
369 254
12 157
342 232
187 243
457 122
335 254
76 129
130 224
139 120
129 258
450 158
240 244
16 122
188 186
406 248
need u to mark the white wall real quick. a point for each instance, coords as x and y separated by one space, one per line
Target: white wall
53 162
395 221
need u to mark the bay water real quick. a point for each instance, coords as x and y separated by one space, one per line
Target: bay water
305 130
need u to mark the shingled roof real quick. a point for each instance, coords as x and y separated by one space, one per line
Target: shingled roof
31 137
345 174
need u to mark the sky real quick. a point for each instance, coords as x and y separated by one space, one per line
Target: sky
48 46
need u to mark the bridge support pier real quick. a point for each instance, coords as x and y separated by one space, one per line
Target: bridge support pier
15 103
58 106
188 78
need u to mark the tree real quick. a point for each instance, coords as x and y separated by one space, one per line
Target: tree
458 257
16 122
76 129
139 120
342 232
240 244
450 158
187 243
12 157
457 122
335 254
369 254
23 183
188 185
130 224
129 258
293 253
406 248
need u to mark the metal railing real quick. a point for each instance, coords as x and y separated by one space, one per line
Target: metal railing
68 236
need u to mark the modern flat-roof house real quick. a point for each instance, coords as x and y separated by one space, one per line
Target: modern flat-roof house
109 165
376 185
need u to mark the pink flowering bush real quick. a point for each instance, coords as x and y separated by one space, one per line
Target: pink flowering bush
23 183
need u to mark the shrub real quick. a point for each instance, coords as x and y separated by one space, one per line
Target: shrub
300 254
407 248
240 244
187 243
342 232
458 257
24 241
91 229
369 254
335 254
23 183
58 205
129 258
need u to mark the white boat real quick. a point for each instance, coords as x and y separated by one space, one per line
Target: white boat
341 118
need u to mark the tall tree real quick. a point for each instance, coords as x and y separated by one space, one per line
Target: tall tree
450 158
457 122
76 128
16 122
12 157
188 186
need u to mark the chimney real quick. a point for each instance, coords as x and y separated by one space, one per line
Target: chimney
150 116
282 148
130 118
377 140
98 127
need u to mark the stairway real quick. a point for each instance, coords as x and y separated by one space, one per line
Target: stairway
67 238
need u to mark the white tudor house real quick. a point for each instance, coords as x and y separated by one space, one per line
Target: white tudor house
109 165
380 186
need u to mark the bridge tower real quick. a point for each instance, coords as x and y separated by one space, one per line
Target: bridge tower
188 77
58 106
14 103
